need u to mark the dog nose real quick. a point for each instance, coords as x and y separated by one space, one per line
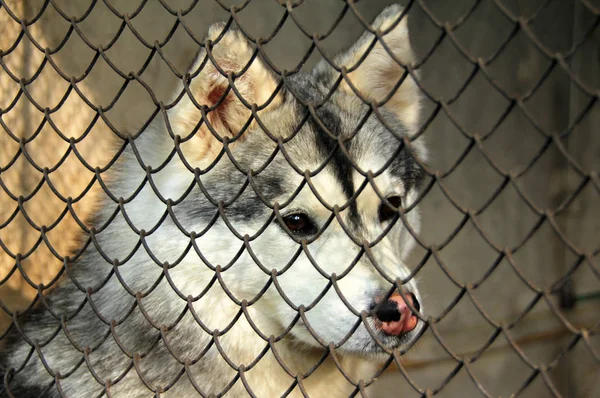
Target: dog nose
395 315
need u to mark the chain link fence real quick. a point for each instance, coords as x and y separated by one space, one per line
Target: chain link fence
507 254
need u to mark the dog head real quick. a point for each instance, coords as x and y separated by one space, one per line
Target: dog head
306 185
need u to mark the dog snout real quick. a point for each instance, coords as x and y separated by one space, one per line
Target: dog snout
396 316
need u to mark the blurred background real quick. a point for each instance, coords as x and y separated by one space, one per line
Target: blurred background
511 119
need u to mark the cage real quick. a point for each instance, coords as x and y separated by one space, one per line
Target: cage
507 258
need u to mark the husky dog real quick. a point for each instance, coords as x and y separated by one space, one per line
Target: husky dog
253 237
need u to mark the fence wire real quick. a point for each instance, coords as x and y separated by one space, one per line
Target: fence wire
66 148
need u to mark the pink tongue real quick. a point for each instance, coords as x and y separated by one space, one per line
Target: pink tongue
407 321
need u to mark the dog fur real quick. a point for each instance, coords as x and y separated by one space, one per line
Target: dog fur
191 282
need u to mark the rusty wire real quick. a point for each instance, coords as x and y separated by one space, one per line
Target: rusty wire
480 67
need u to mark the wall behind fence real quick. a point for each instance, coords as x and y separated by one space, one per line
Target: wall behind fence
520 111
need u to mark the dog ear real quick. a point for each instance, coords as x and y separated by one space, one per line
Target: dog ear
379 74
226 114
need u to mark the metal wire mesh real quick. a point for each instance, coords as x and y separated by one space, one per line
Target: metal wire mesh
42 224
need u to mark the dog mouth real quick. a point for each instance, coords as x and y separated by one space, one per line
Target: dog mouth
394 323
396 315
390 324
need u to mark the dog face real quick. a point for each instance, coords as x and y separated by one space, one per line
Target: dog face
296 201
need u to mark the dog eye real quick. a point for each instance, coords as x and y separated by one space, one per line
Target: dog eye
386 212
300 223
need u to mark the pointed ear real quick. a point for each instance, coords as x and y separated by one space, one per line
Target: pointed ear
378 75
226 114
